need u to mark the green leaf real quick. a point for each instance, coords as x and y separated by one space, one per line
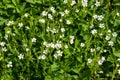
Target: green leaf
117 22
116 53
30 1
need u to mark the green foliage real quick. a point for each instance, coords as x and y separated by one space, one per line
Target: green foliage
59 40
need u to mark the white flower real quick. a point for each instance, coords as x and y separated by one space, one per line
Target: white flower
82 44
118 59
97 3
45 43
59 53
62 29
27 49
27 27
89 60
73 2
105 50
62 13
33 39
45 51
107 38
110 43
20 24
68 22
42 20
20 56
55 55
77 10
4 49
109 31
95 16
92 50
117 14
94 31
44 13
103 58
72 37
100 17
60 20
10 23
119 71
52 9
65 1
101 25
50 16
100 62
98 48
2 43
66 11
66 46
61 36
26 15
6 36
114 34
9 64
43 57
84 3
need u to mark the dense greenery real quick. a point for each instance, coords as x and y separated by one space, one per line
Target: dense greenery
59 39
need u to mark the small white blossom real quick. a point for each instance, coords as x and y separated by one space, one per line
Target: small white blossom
95 16
110 43
60 20
62 29
20 24
82 44
94 31
20 56
62 13
43 57
34 39
104 50
68 22
101 25
66 11
26 15
92 50
6 36
50 16
9 64
117 14
100 17
89 60
65 1
42 20
97 3
114 34
45 51
66 46
77 10
52 9
27 27
100 62
84 3
73 2
4 49
98 48
109 31
2 43
107 38
61 36
44 13
119 71
10 23
27 49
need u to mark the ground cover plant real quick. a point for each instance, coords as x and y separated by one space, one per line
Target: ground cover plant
59 39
